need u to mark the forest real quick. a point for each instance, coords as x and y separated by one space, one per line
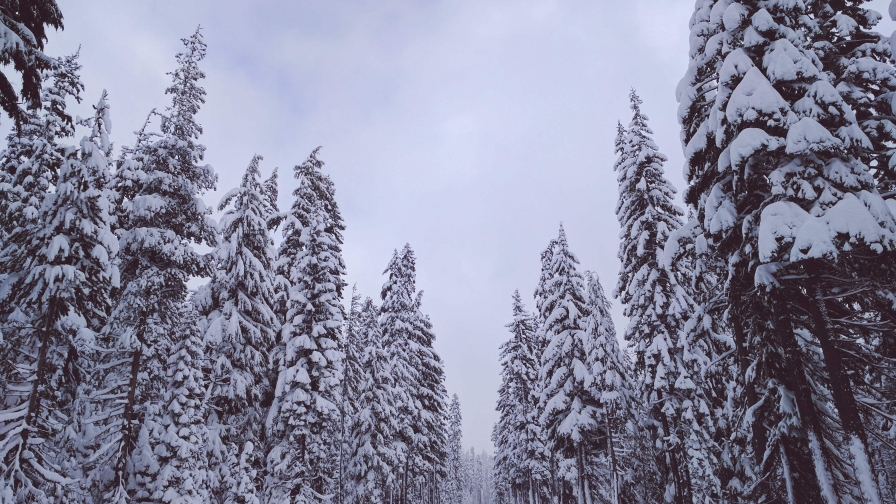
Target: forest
152 353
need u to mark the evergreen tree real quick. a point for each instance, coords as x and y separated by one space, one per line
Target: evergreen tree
657 306
454 480
779 183
372 461
570 412
519 372
176 434
160 215
612 386
310 356
30 164
539 455
241 324
418 374
60 289
352 378
858 62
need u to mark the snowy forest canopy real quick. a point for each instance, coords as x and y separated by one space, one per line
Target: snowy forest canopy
758 364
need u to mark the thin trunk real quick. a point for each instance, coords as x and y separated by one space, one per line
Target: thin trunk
842 393
34 400
128 422
531 489
403 498
613 463
580 469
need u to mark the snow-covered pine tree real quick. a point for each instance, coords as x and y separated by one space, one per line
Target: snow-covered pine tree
570 412
159 184
612 388
417 370
303 423
61 290
689 255
539 455
352 377
519 372
241 328
859 62
783 209
176 433
30 164
657 307
432 443
453 487
372 461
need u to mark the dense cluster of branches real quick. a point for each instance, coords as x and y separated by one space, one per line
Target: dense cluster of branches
761 328
118 384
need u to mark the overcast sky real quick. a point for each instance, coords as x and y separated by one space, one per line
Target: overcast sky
468 128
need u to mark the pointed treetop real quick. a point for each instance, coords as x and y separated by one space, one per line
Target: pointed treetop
187 94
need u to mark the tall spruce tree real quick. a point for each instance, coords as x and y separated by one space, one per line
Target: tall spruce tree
612 388
303 422
453 488
570 411
30 164
241 327
418 374
779 182
519 372
60 291
174 436
372 461
158 184
657 307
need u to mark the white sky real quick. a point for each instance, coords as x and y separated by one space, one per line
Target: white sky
468 128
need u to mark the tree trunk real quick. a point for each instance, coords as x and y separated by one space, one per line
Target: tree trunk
614 467
127 425
580 469
842 393
403 499
805 483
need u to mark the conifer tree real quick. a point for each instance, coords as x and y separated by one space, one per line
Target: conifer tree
241 324
779 183
612 386
417 370
60 288
350 386
310 355
175 443
569 409
159 184
454 479
30 164
373 465
519 372
858 60
657 307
